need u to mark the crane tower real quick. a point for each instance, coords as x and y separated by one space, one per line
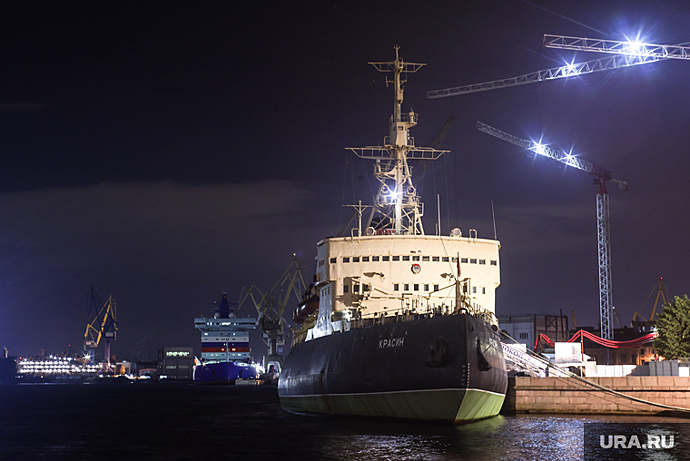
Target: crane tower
601 177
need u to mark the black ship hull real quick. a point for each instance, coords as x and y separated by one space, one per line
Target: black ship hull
445 368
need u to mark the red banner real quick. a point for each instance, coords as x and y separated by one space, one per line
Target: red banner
648 338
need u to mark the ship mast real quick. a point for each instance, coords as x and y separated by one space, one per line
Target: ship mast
397 207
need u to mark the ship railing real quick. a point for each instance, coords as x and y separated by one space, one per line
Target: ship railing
356 319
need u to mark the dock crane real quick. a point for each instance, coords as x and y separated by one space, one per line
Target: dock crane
101 323
270 307
601 177
661 291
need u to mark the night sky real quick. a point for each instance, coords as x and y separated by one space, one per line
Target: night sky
164 153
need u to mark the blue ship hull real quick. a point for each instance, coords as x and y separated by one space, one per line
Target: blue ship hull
224 372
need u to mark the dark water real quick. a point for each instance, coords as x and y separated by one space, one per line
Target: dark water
187 422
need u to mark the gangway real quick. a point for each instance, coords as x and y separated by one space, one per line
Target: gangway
529 362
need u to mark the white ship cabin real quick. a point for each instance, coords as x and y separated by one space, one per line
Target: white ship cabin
383 276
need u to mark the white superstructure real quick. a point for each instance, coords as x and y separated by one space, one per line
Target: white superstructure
387 266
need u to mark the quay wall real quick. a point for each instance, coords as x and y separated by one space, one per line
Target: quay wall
572 396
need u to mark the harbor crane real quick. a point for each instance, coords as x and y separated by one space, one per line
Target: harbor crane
101 323
270 307
601 177
661 291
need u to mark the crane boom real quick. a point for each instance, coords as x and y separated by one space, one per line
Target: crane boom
555 154
603 236
569 70
628 48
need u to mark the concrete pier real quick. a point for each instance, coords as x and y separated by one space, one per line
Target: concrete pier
571 396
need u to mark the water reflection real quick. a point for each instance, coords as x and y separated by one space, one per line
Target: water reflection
504 438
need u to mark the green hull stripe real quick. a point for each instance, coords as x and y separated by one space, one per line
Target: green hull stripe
453 405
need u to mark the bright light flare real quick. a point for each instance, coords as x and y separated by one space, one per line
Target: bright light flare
570 159
570 69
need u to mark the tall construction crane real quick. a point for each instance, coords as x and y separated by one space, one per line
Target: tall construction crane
270 307
626 54
101 323
601 177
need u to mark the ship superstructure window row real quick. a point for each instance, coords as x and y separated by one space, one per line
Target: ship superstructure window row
426 287
394 258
